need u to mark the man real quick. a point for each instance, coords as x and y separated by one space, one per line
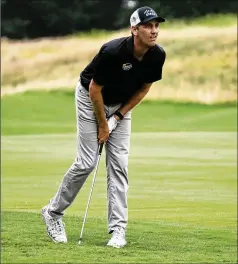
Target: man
116 80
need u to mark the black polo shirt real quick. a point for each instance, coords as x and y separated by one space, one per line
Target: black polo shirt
119 72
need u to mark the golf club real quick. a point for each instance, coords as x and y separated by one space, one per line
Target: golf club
91 191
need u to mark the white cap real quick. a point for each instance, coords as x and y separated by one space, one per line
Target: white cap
143 15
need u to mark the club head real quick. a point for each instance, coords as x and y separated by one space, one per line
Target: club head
80 242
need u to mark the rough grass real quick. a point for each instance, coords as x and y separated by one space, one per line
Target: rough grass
201 61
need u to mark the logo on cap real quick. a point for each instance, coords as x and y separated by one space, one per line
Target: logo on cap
150 12
133 19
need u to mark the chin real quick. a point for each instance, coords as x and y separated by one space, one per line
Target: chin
151 44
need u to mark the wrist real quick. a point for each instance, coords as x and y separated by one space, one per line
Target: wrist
116 118
118 115
102 123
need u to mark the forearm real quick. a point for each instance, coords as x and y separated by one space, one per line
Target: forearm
135 99
97 102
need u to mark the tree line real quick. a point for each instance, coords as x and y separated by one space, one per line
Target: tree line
41 18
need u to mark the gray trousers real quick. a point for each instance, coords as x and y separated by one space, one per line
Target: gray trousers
117 150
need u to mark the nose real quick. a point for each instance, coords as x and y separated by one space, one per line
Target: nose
154 29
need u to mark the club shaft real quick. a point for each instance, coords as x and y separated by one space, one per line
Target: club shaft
91 191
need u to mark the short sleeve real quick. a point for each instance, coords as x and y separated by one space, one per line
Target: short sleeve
154 72
103 65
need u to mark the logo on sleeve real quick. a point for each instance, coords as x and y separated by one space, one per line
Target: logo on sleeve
126 66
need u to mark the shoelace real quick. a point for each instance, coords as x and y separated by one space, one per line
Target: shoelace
118 233
57 227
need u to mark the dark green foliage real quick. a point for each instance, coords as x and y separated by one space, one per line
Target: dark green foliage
191 8
40 18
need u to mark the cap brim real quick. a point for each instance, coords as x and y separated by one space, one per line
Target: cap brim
158 18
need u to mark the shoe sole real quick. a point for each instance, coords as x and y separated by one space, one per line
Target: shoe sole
115 246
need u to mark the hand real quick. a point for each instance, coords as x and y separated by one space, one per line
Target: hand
103 133
112 123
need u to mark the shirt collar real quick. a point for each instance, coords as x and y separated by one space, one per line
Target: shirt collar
130 47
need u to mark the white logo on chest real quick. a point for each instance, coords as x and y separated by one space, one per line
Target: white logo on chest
126 66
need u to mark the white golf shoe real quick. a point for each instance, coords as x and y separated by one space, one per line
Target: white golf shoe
118 239
54 226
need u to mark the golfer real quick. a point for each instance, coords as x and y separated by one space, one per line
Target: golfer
112 84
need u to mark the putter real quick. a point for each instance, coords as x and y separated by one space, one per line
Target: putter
91 191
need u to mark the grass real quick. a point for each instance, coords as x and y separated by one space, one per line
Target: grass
209 20
182 200
182 177
201 60
54 112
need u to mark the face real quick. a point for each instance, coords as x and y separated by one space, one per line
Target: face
147 33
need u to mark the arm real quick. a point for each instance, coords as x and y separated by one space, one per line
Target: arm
135 99
98 106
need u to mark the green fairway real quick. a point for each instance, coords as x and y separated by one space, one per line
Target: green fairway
182 178
182 200
54 112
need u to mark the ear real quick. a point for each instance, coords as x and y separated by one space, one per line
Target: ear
134 30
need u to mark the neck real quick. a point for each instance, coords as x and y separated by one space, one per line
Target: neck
139 49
